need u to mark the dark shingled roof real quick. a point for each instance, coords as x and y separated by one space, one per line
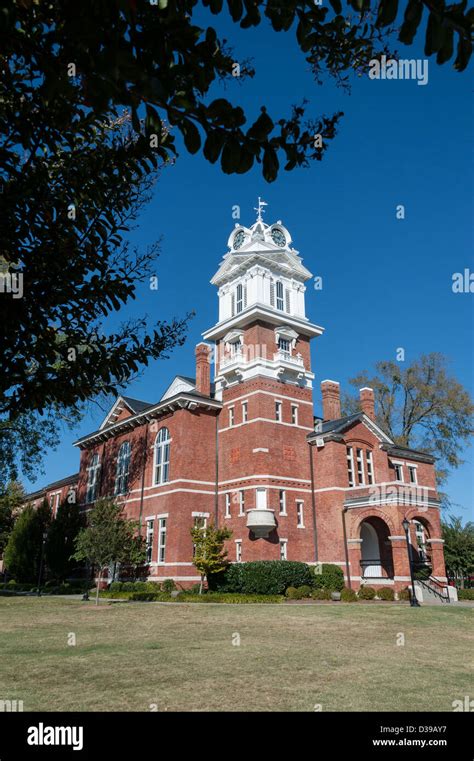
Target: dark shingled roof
136 405
339 423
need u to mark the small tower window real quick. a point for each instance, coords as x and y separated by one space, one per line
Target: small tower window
279 296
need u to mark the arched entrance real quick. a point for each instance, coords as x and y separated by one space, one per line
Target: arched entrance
376 550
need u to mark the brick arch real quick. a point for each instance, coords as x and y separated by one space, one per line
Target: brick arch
414 513
371 513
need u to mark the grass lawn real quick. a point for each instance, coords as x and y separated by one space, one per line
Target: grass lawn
182 657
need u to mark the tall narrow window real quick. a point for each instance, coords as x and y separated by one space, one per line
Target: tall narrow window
262 499
123 467
360 467
370 467
56 506
284 345
161 540
150 527
272 293
245 412
241 503
162 457
300 514
412 474
350 465
200 521
282 501
278 412
239 298
287 300
398 471
283 549
294 414
93 478
227 505
238 551
279 296
231 416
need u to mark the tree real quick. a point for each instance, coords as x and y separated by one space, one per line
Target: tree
109 538
421 406
23 552
62 536
210 557
12 498
92 95
458 549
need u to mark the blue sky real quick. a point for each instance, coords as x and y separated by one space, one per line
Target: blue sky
386 282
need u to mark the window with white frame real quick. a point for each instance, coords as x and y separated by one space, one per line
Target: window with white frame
227 505
413 475
370 466
262 499
123 467
200 521
300 514
240 297
161 540
278 412
282 501
280 304
360 467
231 416
245 412
294 414
241 502
162 457
93 478
284 344
235 348
238 550
350 465
398 467
150 528
283 549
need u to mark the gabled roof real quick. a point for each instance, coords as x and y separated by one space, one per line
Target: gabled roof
338 426
184 384
134 406
72 479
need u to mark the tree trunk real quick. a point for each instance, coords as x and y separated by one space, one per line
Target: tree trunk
97 587
201 584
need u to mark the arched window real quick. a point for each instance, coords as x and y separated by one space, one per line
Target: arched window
93 478
123 467
162 457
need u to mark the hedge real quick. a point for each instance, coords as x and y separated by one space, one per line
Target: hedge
366 593
386 593
465 594
262 577
328 576
348 595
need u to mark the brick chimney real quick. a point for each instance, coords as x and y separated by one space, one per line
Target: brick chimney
367 401
331 400
203 369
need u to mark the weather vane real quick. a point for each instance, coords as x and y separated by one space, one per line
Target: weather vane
260 209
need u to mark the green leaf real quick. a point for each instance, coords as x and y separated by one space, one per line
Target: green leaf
270 164
387 12
434 35
337 6
412 18
231 155
213 146
192 138
261 128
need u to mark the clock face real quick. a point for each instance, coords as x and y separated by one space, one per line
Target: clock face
239 239
278 238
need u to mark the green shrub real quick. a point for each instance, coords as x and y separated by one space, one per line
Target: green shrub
264 577
366 593
321 594
386 593
404 594
348 595
116 586
305 591
144 596
331 577
465 594
128 586
292 593
168 586
12 583
232 598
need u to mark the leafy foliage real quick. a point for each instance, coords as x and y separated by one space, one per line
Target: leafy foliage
210 557
23 552
109 538
65 527
12 498
422 407
264 577
458 548
330 578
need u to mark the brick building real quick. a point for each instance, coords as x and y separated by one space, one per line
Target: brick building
244 449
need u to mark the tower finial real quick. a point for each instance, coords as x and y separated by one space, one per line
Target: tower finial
260 209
